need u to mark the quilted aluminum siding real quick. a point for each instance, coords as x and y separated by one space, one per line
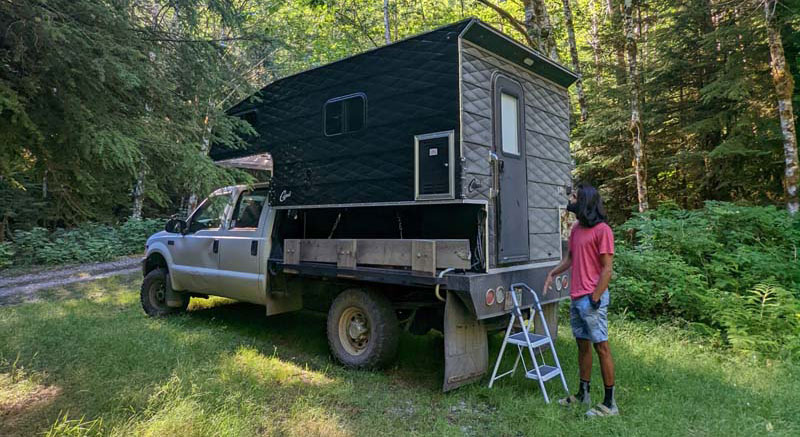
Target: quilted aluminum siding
549 164
411 88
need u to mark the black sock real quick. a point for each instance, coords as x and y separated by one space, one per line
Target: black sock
583 390
608 400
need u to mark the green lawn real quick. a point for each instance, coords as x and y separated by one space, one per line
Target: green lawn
86 360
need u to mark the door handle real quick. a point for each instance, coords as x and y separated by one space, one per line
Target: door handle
216 246
254 247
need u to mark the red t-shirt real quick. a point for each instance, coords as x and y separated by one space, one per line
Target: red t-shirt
585 246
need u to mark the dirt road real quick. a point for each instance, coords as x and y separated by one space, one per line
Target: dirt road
23 286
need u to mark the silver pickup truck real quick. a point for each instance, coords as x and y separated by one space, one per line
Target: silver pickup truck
236 245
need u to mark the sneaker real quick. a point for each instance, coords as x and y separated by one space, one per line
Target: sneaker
600 410
573 400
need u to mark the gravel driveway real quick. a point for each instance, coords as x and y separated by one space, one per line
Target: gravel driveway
25 285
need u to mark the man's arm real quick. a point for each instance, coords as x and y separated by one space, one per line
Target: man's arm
562 267
606 259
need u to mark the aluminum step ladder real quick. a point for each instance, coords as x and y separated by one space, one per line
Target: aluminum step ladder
524 339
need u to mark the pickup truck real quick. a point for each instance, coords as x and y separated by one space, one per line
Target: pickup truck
236 245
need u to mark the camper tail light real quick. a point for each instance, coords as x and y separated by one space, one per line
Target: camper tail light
558 284
564 282
489 297
500 294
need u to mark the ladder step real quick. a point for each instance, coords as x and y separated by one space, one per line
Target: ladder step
547 372
536 339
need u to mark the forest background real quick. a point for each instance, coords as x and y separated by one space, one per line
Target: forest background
108 108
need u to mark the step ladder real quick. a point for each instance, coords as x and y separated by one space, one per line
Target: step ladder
524 339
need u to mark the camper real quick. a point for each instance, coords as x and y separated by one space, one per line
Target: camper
410 186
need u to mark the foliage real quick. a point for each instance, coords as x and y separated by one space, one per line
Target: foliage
730 270
85 243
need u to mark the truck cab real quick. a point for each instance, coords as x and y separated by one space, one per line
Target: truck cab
217 249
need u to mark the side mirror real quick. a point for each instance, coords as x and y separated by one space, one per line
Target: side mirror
175 226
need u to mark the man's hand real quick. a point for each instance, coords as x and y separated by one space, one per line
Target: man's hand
595 301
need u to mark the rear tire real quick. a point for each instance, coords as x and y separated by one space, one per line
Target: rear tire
362 329
153 294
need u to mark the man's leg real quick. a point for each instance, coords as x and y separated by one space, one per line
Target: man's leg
606 363
585 358
579 330
597 321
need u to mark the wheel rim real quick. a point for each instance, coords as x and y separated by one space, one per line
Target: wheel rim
158 294
354 331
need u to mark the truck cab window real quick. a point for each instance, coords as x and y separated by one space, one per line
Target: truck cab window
211 214
248 209
345 114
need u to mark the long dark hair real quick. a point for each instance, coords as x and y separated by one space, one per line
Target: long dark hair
589 206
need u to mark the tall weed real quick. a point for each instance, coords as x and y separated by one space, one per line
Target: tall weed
729 269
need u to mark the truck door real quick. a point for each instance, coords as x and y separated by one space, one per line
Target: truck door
510 172
195 255
243 251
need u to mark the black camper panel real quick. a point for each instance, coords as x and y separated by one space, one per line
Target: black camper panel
344 133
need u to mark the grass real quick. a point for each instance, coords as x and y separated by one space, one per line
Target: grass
85 360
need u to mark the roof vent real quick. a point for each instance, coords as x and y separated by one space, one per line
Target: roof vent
528 61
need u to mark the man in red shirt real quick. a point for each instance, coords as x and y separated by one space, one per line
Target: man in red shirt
590 255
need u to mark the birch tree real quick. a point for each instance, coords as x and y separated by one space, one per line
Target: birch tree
387 34
635 126
784 86
576 66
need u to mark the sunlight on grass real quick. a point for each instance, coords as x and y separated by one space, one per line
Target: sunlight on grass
308 419
251 365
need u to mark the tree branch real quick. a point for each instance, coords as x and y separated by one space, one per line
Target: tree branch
510 18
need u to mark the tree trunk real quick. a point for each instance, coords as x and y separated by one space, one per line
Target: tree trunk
386 30
138 193
537 24
636 122
619 45
784 86
573 52
595 42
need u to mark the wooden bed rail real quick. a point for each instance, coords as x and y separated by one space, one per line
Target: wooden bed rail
421 256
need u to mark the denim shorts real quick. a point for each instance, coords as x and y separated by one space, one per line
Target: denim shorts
589 323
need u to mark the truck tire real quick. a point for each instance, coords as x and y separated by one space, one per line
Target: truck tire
362 329
153 294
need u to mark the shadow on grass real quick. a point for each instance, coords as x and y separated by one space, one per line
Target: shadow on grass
225 366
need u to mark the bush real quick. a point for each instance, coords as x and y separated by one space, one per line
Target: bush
728 269
88 242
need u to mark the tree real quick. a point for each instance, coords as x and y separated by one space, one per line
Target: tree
784 88
386 28
576 65
636 128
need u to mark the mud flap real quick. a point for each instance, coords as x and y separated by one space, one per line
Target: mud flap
466 348
279 303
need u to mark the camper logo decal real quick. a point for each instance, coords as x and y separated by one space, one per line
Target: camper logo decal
285 195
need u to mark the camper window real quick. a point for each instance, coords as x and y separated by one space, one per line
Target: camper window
345 114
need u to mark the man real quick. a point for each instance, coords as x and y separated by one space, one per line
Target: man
591 251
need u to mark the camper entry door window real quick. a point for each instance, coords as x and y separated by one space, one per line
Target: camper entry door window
510 171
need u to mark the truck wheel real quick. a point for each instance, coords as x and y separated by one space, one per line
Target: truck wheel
362 329
153 294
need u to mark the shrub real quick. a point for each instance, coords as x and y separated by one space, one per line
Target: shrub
86 243
6 254
729 269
